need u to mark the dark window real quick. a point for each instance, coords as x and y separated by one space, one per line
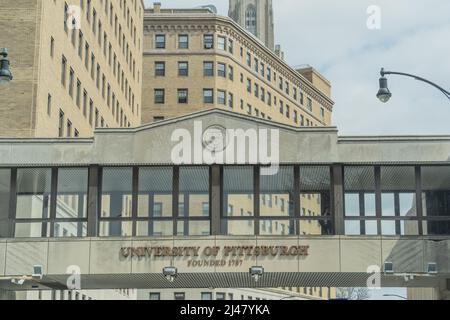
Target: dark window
208 41
221 97
159 96
183 68
160 68
221 69
208 68
183 41
208 96
182 95
160 41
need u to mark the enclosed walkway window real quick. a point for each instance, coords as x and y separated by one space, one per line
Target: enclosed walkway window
155 202
116 202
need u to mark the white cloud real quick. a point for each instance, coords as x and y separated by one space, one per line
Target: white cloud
332 36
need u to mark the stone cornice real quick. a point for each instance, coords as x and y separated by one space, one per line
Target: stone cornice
224 25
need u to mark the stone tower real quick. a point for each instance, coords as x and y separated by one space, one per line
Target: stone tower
256 16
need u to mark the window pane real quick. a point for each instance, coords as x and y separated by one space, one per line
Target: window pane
398 179
352 228
407 202
436 191
352 205
154 228
277 193
371 228
388 228
316 227
409 228
32 230
238 192
436 227
155 192
388 204
276 227
238 227
72 193
369 205
194 189
116 192
194 228
359 178
116 229
33 193
70 229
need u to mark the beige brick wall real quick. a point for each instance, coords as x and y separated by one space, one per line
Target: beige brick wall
32 24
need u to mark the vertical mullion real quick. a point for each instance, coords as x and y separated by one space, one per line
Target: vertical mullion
134 198
256 199
94 202
398 228
378 207
215 198
175 198
296 199
12 202
338 195
53 202
362 212
419 203
151 213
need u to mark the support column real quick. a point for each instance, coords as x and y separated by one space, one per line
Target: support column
337 195
93 200
216 198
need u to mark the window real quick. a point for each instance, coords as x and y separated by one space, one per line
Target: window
287 87
302 98
183 68
230 46
61 124
155 296
69 128
157 119
159 96
230 73
263 69
230 100
183 41
256 65
256 90
281 83
183 96
63 70
179 296
71 82
220 296
295 116
221 69
160 68
263 94
221 97
221 43
206 296
288 113
208 41
269 99
269 74
249 59
49 104
208 68
208 96
160 41
309 105
52 47
249 85
322 113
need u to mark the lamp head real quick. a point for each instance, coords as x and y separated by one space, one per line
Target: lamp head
384 95
5 73
256 273
170 273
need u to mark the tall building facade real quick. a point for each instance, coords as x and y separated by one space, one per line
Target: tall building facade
196 60
256 16
77 65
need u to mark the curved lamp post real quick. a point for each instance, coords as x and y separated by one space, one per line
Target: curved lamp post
5 73
385 95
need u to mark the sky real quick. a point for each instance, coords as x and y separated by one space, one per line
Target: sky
333 37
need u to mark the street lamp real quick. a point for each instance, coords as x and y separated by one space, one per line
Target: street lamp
384 95
5 73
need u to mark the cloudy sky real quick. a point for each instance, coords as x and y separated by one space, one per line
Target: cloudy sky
333 37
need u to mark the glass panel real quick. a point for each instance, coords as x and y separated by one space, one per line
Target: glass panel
315 227
369 205
436 227
436 203
407 203
238 192
315 178
277 193
371 228
117 192
388 204
194 187
409 228
352 205
315 204
155 192
276 227
116 229
388 228
5 181
398 179
70 229
352 228
238 227
359 178
154 228
32 230
194 228
71 200
33 193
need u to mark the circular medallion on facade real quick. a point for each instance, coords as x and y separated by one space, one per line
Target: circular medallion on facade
215 138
